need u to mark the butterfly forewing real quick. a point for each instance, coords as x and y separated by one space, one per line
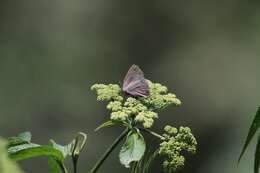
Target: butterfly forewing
134 82
134 73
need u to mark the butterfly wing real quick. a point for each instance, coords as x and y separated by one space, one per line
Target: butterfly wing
134 73
134 82
138 88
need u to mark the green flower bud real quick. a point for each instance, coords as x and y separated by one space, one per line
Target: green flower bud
146 118
119 116
159 98
114 106
107 92
170 130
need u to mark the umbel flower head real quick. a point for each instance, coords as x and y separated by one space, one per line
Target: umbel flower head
141 110
174 142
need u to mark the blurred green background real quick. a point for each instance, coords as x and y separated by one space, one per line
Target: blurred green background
207 52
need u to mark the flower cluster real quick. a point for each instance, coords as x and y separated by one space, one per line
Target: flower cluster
107 92
175 141
159 97
140 110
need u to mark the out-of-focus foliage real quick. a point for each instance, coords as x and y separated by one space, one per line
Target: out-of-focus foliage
21 148
253 129
6 164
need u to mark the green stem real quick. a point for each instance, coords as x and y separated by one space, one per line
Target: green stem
63 168
152 133
75 157
109 150
134 168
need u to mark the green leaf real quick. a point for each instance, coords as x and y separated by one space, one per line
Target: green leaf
257 156
133 149
65 150
254 126
7 165
53 165
105 124
20 147
27 151
22 138
26 136
73 149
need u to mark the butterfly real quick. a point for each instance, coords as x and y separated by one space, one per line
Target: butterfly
134 83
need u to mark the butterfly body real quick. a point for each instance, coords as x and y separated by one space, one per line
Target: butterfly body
134 83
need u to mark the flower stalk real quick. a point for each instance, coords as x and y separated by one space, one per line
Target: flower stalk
109 151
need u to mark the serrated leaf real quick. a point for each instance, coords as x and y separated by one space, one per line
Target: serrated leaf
133 149
22 138
254 126
14 141
257 156
21 148
17 148
27 151
105 124
26 136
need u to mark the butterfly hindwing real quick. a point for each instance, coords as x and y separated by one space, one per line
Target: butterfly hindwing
134 82
139 88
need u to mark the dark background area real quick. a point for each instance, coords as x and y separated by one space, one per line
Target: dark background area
207 52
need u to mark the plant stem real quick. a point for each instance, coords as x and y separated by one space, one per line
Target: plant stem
134 168
152 133
63 168
75 161
109 150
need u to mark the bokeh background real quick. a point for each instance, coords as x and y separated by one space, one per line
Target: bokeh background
207 52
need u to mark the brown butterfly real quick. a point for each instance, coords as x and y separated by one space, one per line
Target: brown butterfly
134 83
